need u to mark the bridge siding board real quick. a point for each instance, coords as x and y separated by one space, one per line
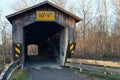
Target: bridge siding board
9 17
29 17
60 17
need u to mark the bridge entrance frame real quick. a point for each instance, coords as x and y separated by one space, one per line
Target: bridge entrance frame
33 14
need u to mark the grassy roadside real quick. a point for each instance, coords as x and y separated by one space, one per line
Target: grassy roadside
102 76
98 75
21 75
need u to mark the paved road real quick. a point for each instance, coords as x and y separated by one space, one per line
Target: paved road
53 73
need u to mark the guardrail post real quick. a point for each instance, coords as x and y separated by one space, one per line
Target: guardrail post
70 65
80 67
105 70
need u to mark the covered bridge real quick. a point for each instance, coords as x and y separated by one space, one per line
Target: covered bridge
50 28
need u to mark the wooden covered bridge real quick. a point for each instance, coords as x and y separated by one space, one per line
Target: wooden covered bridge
46 34
48 26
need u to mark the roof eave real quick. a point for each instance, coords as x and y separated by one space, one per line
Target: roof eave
35 6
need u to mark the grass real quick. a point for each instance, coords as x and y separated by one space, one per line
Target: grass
99 75
102 76
21 75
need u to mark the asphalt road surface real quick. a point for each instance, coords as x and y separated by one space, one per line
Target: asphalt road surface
53 73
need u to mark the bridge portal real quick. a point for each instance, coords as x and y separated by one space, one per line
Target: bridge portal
50 28
47 36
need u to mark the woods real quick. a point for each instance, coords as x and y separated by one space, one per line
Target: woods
100 38
6 37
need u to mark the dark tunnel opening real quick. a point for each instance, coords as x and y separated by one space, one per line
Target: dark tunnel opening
46 36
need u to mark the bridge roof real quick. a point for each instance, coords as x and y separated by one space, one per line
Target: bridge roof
9 17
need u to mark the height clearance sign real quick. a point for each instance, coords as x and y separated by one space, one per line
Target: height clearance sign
45 15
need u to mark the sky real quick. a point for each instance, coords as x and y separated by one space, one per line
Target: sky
5 5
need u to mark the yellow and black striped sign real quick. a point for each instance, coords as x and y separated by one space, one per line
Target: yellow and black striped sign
17 50
72 47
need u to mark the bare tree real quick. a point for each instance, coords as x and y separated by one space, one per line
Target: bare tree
22 4
95 39
116 29
3 25
117 5
60 3
85 11
71 9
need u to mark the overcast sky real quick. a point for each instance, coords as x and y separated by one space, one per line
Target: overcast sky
5 5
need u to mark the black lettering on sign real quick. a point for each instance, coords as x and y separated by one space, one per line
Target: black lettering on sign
49 14
45 15
42 14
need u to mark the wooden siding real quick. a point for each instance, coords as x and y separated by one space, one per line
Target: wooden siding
30 17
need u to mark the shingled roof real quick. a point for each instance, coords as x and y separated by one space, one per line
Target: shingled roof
40 4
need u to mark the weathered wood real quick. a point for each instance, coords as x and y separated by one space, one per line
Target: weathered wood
86 67
27 17
112 70
94 68
95 62
30 17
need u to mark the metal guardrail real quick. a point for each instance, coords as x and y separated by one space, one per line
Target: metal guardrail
10 70
94 65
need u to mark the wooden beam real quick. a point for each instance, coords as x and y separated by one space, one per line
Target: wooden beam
95 62
94 68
